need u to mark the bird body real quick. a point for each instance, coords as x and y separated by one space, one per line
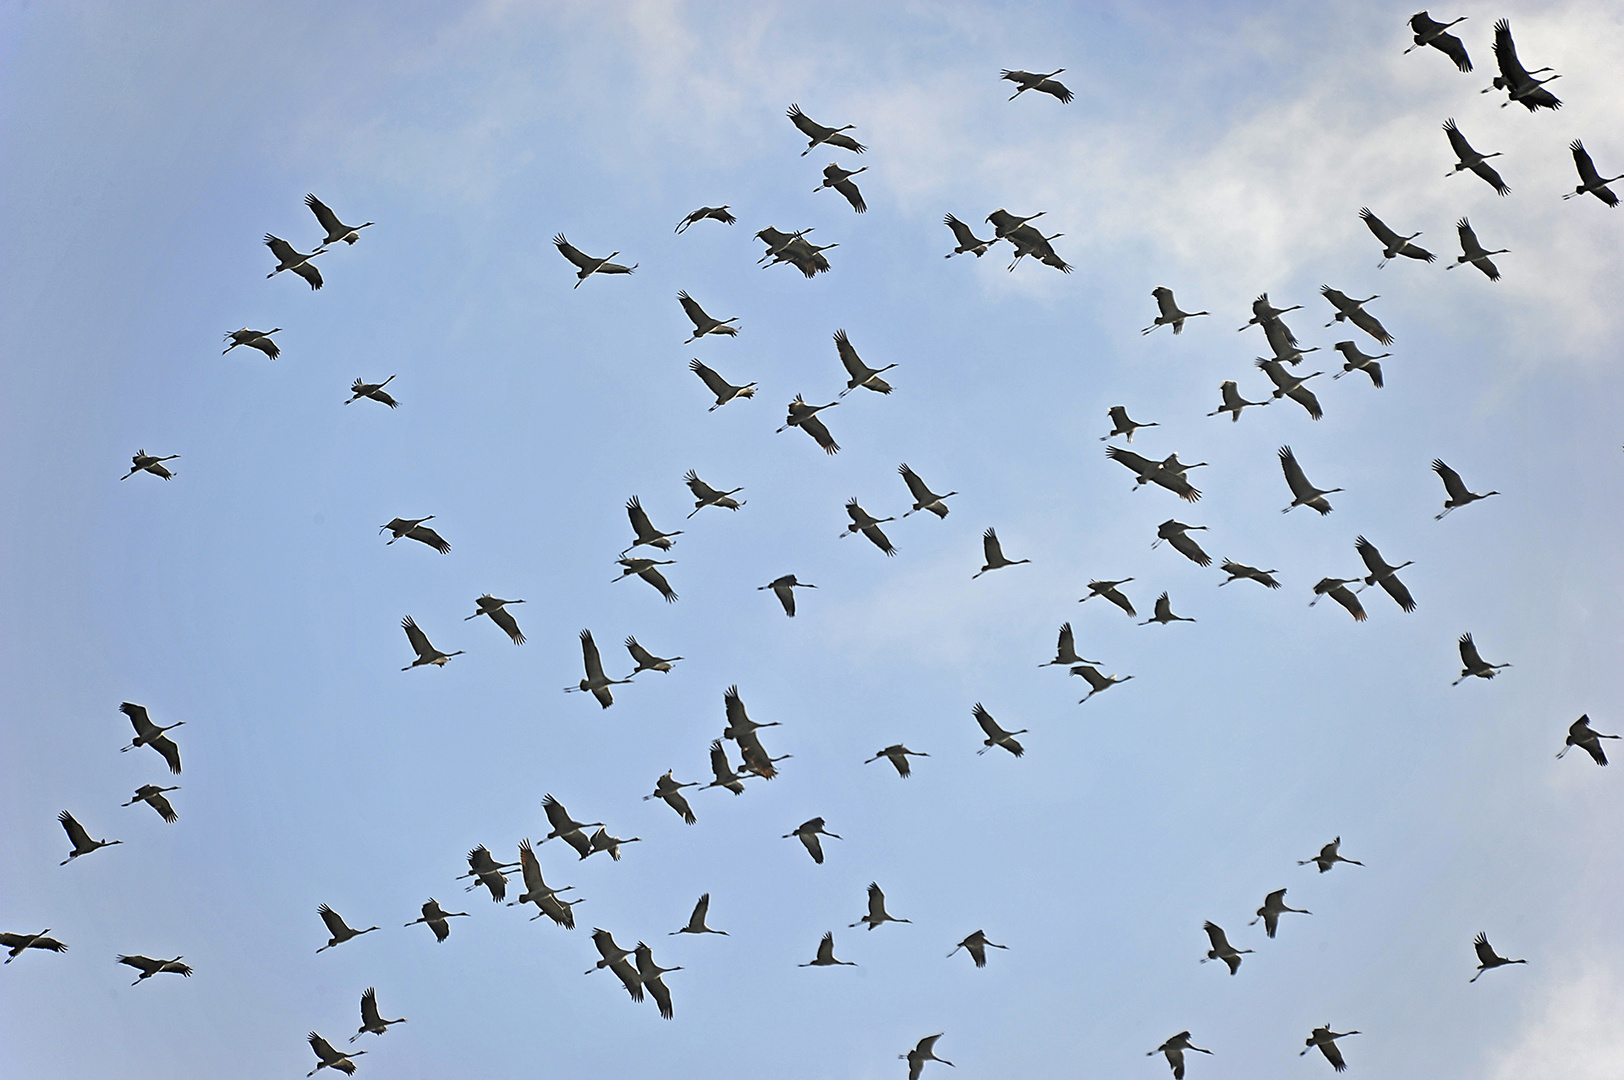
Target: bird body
1384 575
495 609
723 770
1066 650
1394 245
1169 474
669 791
696 921
1324 1038
1487 958
1221 948
924 1051
861 374
840 180
486 871
329 1058
1456 488
16 944
1354 360
968 242
1329 856
414 529
724 390
897 755
586 265
648 972
596 682
826 954
141 461
820 135
337 231
1237 571
1168 313
1173 1049
1353 311
1429 31
1109 591
536 890
706 213
1517 81
434 916
1288 385
1233 404
1473 252
289 259
1177 535
1475 665
995 554
644 529
372 1020
149 734
1470 159
148 967
1164 613
1587 738
876 909
869 525
705 495
1337 589
1043 84
1096 680
804 416
647 661
1122 424
645 569
360 388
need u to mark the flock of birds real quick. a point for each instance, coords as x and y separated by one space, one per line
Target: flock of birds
635 967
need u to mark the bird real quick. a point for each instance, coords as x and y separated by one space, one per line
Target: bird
876 909
1177 535
1337 589
585 264
826 954
1027 240
81 841
1122 424
645 569
647 661
435 918
289 259
1519 83
778 241
336 229
1043 84
696 921
723 770
614 958
254 339
1582 735
804 256
538 892
1329 856
330 1058
1475 664
807 832
1354 360
924 1051
425 650
1470 159
861 374
1474 253
16 944
804 416
703 323
1164 613
602 841
360 388
371 1019
1263 311
1384 575
784 588
1097 681
141 461
1593 182
496 609
1429 31
1353 311
739 723
897 755
644 529
1233 402
1169 473
968 242
339 930
1487 958
869 525
649 973
995 554
820 135
977 945
1325 1039
149 734
414 529
1274 905
706 213
1221 948
1066 650
1237 570
1109 591
1284 343
486 871
1168 313
754 757
1394 245
596 682
148 967
670 792
1302 492
996 736
153 796
840 179
705 495
1456 489
1288 385
724 390
924 497
1173 1049
1003 222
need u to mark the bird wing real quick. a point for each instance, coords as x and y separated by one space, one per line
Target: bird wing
557 815
1486 171
1457 141
324 1049
1116 597
370 1016
1452 481
1281 339
719 763
814 846
1141 465
1215 934
171 753
162 805
335 921
849 359
701 909
640 654
807 126
848 188
737 718
845 142
695 313
1050 86
1485 951
988 724
328 219
1303 396
283 250
702 491
916 486
962 233
309 272
876 903
1333 1055
716 384
1300 487
425 535
76 832
509 625
1274 371
1348 600
1468 652
1371 555
826 947
572 253
138 717
1581 161
820 434
530 867
786 596
1451 46
1468 238
1387 236
641 525
991 548
877 537
1186 546
1505 54
1395 588
419 640
1067 646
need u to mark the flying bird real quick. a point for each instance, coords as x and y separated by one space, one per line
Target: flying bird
1168 473
840 179
1003 222
1168 313
1236 571
1177 535
649 973
1354 360
1586 738
141 461
1288 385
804 256
897 755
1325 1039
1337 589
1456 488
1109 591
536 890
1329 856
1429 31
425 650
1164 613
724 390
1274 906
996 736
1283 343
977 945
703 323
336 230
414 529
289 259
149 734
1592 181
924 497
1518 82
804 416
820 135
434 916
826 954
1043 84
1027 240
1264 312
995 554
1234 404
645 569
1122 424
1173 1049
596 682
1303 493
616 960
807 832
254 339
669 791
602 841
705 495
496 610
1097 681
696 921
968 243
585 264
644 529
148 967
861 374
723 770
1487 958
647 661
153 796
1353 311
876 909
339 930
1066 650
328 1058
371 1019
1221 948
784 588
1470 159
706 213
869 525
1384 575
486 871
1475 665
1394 245
924 1051
360 388
1474 252
16 944
81 841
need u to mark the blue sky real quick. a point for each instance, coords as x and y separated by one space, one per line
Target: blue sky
1220 150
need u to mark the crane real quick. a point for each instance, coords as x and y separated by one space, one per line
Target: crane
1329 856
1337 589
1043 84
1164 613
328 1058
1473 252
804 256
1302 492
861 374
1475 664
897 754
536 890
706 213
1264 312
1353 311
804 416
371 1019
1122 424
337 928
1168 473
723 770
1109 591
1470 159
1168 313
696 921
645 569
644 529
1221 948
1066 650
647 661
585 264
559 818
81 841
869 525
148 967
739 723
784 588
1097 681
425 650
1429 31
923 1051
724 390
968 242
16 944
602 841
1354 360
826 954
596 682
153 796
1324 1038
649 973
840 179
669 791
821 135
1592 182
703 323
995 554
1384 575
414 529
1274 906
1003 222
1456 488
496 609
1284 343
1487 958
876 909
807 832
1233 404
924 497
141 461
486 871
996 736
289 259
1393 245
1288 385
360 388
149 734
1237 571
1173 1049
336 230
1582 735
705 495
254 339
754 757
615 959
434 917
977 945
1518 82
1027 240
1177 535
778 241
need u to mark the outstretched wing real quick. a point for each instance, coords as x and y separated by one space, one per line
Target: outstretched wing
991 548
1387 236
1505 54
691 307
76 832
820 434
328 219
572 253
1452 481
415 636
1300 487
589 656
714 382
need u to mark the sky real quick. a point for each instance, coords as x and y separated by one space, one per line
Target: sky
1220 150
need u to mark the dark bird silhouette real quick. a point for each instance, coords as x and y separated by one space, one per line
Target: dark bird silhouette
1470 159
696 921
148 967
1487 958
585 264
1097 681
1274 906
869 525
840 179
1325 1039
372 1020
414 529
996 736
602 841
995 554
1043 84
1471 251
826 954
1066 650
804 416
1288 385
669 791
149 734
644 529
360 388
1429 31
1303 493
645 569
536 890
1122 424
1168 473
784 588
1592 182
1384 575
1329 856
1233 404
427 654
1109 591
434 916
1353 311
1586 738
1168 313
647 661
924 497
1221 948
649 973
897 755
339 930
1003 222
706 213
329 1058
705 495
1236 571
337 231
703 323
16 944
876 909
141 461
807 832
921 1053
289 259
496 610
1354 360
820 135
254 339
1173 1049
1475 664
1177 535
1337 589
81 841
1456 488
977 945
861 374
724 390
486 871
723 770
968 243
596 682
153 796
1518 82
1164 613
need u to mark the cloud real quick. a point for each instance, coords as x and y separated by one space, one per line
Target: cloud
1575 1035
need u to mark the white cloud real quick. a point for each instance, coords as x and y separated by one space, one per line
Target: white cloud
1574 1035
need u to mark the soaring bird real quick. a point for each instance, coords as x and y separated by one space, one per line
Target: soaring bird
336 230
704 213
778 241
1043 84
649 973
153 796
867 524
16 944
1592 182
647 661
669 791
1274 905
703 323
705 495
1109 591
1173 1049
1337 589
536 890
1177 535
1325 1039
1473 252
486 871
968 242
996 736
724 390
754 758
337 928
1456 488
1469 159
923 1051
696 921
372 1020
924 497
977 945
807 832
329 1058
995 554
804 256
1394 245
1168 473
1354 360
434 916
1353 311
1429 31
1264 312
1302 492
1066 650
414 529
1164 613
826 954
81 841
1221 948
1003 222
615 959
596 682
149 734
739 723
645 569
425 650
644 529
804 416
784 588
1288 385
876 909
840 179
141 461
585 264
1096 680
1283 343
897 755
723 770
1122 424
254 339
289 259
1027 240
1384 575
360 388
1487 958
496 609
1168 313
1475 665
820 135
1236 571
861 374
1586 738
1518 82
1234 404
1329 856
602 841
148 967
